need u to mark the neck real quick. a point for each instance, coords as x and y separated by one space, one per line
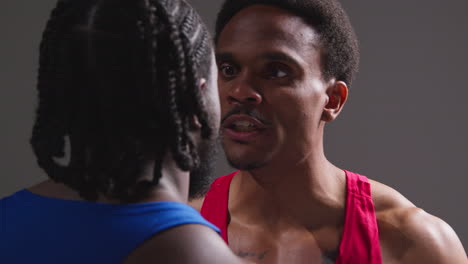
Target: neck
292 190
174 183
173 186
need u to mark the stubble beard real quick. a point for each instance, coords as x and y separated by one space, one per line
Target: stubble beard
202 177
241 163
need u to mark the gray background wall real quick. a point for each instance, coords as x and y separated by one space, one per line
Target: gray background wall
404 125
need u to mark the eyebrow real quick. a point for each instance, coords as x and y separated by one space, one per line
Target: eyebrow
279 56
224 56
274 56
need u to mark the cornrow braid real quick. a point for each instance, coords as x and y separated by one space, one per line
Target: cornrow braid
120 79
183 148
150 34
196 93
49 129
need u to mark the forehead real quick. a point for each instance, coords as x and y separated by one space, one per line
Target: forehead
268 28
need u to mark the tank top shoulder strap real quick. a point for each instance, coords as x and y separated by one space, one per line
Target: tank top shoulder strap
215 205
360 238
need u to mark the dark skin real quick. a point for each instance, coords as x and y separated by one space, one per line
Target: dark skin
287 203
183 244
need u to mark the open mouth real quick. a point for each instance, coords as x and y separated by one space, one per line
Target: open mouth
243 127
243 123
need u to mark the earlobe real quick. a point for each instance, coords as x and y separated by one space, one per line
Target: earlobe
337 95
202 84
195 123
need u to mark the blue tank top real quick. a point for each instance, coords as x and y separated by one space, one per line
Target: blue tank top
38 229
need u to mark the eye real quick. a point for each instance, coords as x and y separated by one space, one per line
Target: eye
277 71
228 71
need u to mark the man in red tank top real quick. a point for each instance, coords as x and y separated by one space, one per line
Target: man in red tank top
284 71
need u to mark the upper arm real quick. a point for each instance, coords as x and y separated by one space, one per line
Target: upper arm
191 243
433 241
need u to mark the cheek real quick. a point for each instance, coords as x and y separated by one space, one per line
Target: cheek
223 99
212 105
300 111
298 100
215 111
215 97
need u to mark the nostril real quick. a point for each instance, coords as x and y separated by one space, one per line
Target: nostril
243 96
232 99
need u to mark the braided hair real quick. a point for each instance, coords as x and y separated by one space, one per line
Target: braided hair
120 80
338 40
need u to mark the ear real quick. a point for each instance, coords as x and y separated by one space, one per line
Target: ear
337 94
194 122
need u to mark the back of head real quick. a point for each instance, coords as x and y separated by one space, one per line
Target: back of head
338 40
119 79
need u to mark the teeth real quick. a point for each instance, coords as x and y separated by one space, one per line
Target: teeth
244 124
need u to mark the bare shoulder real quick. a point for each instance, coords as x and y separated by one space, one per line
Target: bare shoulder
184 244
408 234
387 198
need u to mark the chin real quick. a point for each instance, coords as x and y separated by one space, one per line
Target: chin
246 166
245 161
246 156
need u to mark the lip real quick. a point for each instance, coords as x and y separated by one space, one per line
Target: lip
242 136
240 117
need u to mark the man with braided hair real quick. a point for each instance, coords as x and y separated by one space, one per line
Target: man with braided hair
284 71
128 112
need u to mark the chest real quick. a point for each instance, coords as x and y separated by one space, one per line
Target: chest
295 245
261 245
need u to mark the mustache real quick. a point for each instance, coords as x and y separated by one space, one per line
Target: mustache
242 110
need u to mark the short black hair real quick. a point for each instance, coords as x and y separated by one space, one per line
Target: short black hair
337 37
120 80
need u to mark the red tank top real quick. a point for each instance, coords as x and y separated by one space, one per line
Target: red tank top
360 239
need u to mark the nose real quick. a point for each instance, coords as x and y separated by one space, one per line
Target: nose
242 91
